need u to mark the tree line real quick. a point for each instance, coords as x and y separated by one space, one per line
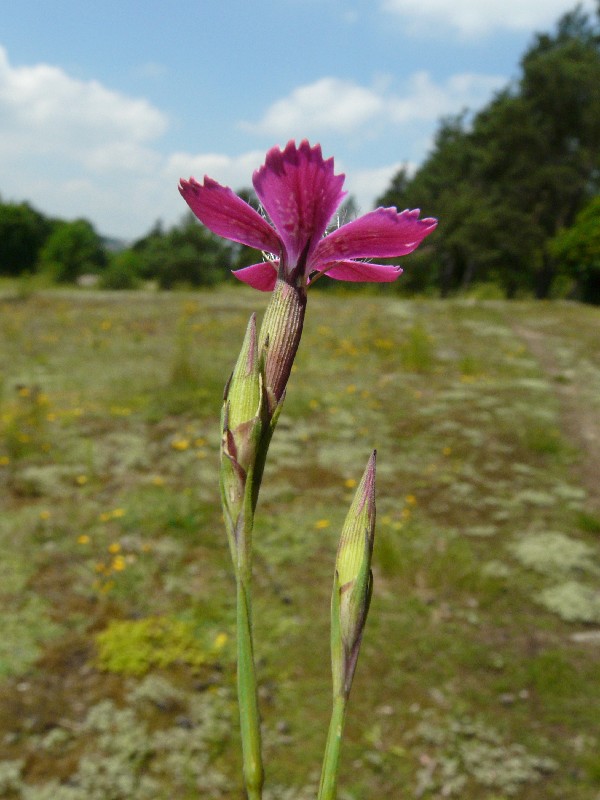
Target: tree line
516 188
65 251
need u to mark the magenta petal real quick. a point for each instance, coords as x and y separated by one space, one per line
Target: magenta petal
259 276
228 215
383 233
363 271
300 194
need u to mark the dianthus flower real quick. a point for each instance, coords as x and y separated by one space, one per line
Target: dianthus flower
300 194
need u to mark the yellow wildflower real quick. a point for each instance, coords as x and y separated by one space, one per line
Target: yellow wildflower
118 563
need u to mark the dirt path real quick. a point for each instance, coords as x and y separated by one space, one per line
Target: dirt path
580 421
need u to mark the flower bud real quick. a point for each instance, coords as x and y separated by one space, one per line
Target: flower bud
243 392
353 582
280 334
241 427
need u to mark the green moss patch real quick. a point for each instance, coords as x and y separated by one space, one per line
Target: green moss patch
133 647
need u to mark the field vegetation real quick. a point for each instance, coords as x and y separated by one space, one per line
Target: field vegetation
478 677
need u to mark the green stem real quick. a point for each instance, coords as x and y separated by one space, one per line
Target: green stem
243 455
331 759
247 695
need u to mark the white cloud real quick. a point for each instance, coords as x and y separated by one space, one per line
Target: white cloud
231 171
426 100
329 104
44 110
332 105
478 17
365 185
76 148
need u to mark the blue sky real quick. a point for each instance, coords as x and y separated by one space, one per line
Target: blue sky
103 106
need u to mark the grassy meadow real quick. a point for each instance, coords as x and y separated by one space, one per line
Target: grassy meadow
480 669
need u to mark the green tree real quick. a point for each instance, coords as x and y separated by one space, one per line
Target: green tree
188 254
73 249
560 89
157 231
123 271
23 231
504 183
577 252
442 187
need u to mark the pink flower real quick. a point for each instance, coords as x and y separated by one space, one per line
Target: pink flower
300 193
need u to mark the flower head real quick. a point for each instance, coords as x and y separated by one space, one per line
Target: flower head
300 193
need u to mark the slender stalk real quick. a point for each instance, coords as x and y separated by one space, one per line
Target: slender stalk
247 695
252 404
331 759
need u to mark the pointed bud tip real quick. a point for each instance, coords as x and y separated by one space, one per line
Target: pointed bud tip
366 489
371 465
359 527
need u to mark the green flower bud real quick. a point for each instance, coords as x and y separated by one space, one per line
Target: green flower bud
353 582
241 425
241 422
244 390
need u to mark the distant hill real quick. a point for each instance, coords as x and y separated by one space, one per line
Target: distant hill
114 245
